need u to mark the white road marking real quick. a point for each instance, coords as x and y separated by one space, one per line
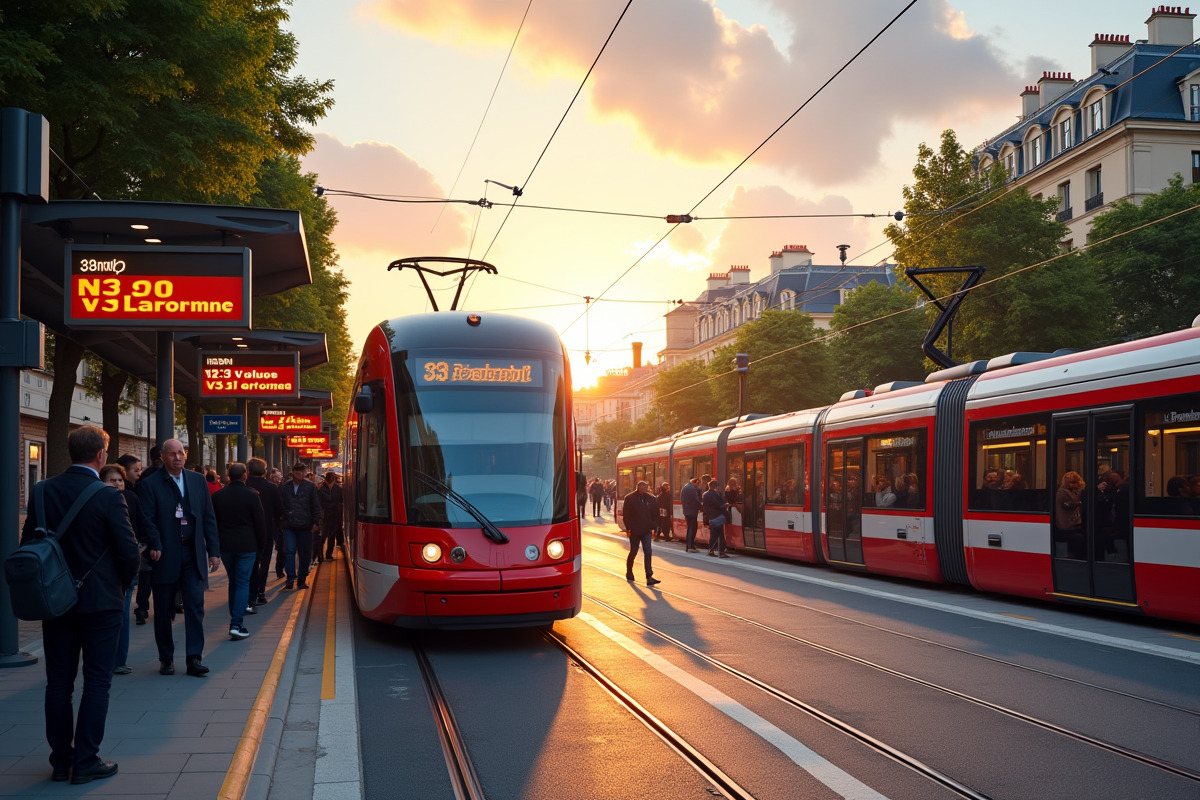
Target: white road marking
836 779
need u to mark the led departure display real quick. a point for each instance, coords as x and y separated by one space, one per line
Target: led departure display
315 441
250 374
285 420
180 288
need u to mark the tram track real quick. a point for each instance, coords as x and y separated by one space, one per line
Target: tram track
1101 744
919 639
723 783
463 778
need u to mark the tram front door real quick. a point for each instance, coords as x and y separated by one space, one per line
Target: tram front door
843 501
1091 549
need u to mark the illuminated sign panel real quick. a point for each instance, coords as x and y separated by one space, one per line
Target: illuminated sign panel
284 420
251 374
313 441
181 288
315 453
482 372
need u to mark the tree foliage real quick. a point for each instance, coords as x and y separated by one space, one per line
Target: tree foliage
960 217
880 338
1152 274
683 397
178 100
789 366
321 306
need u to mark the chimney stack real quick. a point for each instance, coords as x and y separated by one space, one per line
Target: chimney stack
1106 47
637 355
1054 85
1031 100
1170 25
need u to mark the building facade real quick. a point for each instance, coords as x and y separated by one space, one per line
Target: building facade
625 393
1121 133
698 329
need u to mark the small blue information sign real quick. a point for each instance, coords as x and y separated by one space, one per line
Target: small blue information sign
224 423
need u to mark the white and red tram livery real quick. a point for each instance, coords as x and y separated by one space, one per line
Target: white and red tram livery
955 479
460 507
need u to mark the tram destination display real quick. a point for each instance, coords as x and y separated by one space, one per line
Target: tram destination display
314 441
176 288
475 372
255 375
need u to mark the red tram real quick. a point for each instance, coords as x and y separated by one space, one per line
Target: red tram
957 479
460 508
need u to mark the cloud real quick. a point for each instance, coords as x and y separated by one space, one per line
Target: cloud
700 86
402 229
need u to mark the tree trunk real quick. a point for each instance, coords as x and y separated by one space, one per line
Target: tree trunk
67 355
112 384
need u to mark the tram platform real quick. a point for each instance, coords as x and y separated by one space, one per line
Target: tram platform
275 716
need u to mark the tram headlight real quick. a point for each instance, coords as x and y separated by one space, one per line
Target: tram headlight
432 553
556 549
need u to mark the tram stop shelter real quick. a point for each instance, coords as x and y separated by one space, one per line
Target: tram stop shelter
278 256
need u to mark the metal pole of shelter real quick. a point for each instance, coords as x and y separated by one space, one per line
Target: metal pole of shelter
24 177
164 406
243 447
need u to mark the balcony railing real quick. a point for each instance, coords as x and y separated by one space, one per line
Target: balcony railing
1065 215
1094 202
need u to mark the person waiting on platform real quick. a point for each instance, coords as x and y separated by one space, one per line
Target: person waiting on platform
714 515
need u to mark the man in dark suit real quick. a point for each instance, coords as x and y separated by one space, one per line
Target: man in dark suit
181 530
243 532
639 515
99 539
268 495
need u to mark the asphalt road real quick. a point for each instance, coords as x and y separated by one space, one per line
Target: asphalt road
865 688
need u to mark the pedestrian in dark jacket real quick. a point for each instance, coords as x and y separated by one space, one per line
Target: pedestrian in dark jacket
330 495
665 503
268 495
689 499
640 516
100 545
596 492
714 514
243 533
301 516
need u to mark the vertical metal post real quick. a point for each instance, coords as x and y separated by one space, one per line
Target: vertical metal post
10 422
243 447
164 406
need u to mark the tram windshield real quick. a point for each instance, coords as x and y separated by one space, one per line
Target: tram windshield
489 427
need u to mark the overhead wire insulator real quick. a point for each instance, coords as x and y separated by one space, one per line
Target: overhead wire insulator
676 219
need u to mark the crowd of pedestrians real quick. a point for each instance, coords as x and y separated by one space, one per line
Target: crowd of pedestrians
144 547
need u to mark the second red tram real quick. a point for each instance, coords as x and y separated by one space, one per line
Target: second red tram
960 478
460 510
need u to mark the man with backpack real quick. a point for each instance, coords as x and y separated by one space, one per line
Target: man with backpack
101 550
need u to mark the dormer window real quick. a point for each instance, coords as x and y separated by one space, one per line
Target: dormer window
1095 116
1065 141
1035 150
788 300
1194 102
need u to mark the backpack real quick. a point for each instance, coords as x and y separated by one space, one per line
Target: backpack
40 584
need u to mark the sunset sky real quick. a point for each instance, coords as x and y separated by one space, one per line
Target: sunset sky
683 92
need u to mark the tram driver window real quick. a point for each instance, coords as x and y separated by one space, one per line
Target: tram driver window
372 469
1008 465
1170 481
895 471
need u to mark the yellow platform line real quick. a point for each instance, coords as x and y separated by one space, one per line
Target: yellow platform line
329 673
238 776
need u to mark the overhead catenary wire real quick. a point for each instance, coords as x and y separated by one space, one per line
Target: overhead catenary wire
518 191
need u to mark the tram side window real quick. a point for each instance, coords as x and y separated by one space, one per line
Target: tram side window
683 474
896 470
703 466
660 474
1170 482
736 464
785 471
1007 470
625 482
372 468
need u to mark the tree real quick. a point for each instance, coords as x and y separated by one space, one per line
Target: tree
789 366
959 216
155 100
683 397
880 335
320 306
1152 271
